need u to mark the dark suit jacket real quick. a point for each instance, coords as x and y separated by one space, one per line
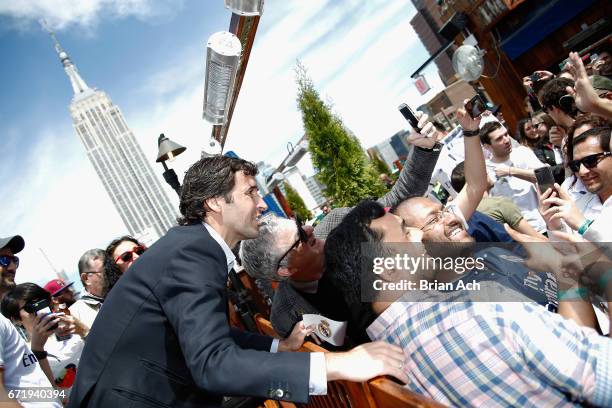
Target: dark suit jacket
162 338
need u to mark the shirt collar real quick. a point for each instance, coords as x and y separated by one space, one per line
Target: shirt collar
229 255
91 299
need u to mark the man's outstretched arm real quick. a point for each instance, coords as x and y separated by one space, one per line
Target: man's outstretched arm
416 174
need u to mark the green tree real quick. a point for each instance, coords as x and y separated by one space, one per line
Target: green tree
296 203
380 165
336 153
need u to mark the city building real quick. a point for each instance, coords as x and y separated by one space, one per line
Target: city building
316 190
393 150
117 158
427 23
443 106
294 177
520 37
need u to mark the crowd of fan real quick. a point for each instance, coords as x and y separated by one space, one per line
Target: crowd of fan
550 348
53 322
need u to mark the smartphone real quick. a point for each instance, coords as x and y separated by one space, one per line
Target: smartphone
409 116
34 307
475 106
535 77
40 308
545 178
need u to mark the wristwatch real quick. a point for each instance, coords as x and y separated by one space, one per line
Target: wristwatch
40 355
435 148
470 133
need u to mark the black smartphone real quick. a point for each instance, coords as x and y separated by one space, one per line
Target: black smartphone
42 308
545 178
535 77
409 116
475 106
33 307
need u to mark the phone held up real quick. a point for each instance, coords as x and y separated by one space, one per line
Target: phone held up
43 308
409 116
545 178
475 106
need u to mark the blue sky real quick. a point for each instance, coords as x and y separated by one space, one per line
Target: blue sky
149 56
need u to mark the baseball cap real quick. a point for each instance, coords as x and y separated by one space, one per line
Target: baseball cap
55 286
601 83
15 243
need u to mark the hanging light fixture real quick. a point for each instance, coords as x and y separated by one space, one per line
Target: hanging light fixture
245 8
223 52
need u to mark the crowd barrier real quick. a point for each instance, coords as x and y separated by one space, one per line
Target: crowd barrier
381 392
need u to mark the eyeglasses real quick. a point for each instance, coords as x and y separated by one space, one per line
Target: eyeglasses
5 260
302 237
589 161
129 255
437 217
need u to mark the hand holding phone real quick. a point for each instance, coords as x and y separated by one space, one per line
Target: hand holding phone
475 106
409 116
545 178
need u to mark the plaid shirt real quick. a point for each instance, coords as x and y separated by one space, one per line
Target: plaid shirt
498 354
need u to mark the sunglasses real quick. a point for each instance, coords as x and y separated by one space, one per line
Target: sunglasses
127 256
589 162
302 237
5 260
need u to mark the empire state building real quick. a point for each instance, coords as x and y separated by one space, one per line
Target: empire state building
117 158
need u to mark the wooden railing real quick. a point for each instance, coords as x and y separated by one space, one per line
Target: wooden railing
381 392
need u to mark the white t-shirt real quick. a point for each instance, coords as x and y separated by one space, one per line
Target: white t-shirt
85 310
21 368
523 193
63 357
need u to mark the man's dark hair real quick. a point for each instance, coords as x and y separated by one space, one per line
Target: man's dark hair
552 92
344 259
208 178
486 131
24 292
116 242
458 177
601 133
592 121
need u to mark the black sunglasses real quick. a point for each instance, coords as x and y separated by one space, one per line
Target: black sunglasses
302 237
589 161
5 260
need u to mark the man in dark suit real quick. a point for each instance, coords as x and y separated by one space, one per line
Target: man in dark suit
162 338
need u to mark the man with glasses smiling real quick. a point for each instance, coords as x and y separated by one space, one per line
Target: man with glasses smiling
445 232
9 262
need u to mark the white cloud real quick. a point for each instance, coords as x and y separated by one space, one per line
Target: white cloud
60 14
60 207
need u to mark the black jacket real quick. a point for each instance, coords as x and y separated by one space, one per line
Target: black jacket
162 338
